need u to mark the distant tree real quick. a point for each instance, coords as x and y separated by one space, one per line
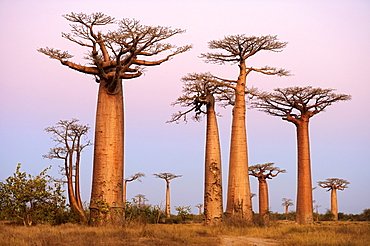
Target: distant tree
316 207
263 172
200 96
30 198
134 177
297 105
287 203
237 49
71 140
167 177
199 206
334 184
112 56
140 200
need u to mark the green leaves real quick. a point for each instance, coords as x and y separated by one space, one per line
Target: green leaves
29 198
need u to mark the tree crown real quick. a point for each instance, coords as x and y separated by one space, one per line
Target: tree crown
334 184
293 103
136 176
166 176
238 48
199 90
119 54
287 202
265 171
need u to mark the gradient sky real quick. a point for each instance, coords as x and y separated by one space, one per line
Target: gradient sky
328 47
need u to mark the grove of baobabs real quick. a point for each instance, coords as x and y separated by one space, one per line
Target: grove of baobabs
122 54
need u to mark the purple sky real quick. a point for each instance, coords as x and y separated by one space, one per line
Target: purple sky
328 47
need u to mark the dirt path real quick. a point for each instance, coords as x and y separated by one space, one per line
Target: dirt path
239 241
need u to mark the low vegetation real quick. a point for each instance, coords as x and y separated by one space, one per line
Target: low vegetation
283 232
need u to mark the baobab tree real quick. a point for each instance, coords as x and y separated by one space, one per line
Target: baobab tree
236 49
199 206
297 105
134 177
71 140
263 172
287 203
167 177
334 184
200 96
112 56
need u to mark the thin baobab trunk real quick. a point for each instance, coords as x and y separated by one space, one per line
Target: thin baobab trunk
238 198
107 183
334 203
213 204
304 190
168 205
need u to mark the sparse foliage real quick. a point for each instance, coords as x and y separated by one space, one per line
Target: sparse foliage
334 184
134 177
200 93
263 172
287 203
298 105
71 140
236 49
167 177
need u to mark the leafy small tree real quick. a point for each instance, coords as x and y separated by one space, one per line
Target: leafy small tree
334 184
167 177
298 105
71 140
30 198
184 213
263 172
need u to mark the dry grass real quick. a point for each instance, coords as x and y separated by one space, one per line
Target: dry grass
328 233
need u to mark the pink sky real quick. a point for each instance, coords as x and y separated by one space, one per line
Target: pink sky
328 47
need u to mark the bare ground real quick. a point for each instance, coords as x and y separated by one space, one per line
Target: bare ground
242 240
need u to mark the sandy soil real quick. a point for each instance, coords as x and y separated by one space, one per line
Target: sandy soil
239 241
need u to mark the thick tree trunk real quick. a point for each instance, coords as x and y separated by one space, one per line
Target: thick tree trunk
168 206
304 191
106 205
334 203
263 200
238 196
213 204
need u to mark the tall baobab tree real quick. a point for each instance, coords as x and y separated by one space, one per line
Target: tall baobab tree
71 140
200 96
334 184
297 105
167 177
134 177
287 203
236 49
112 57
263 172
